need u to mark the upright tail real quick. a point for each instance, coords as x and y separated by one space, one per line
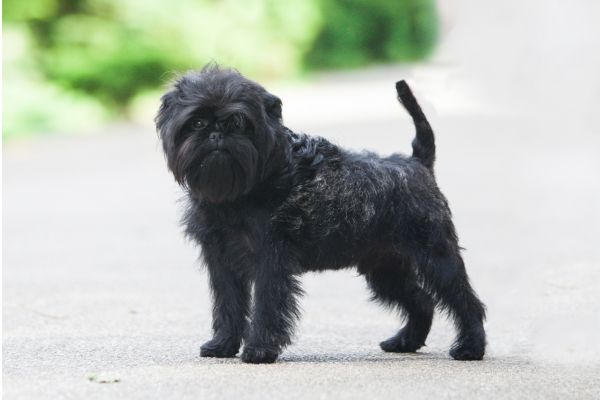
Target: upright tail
424 143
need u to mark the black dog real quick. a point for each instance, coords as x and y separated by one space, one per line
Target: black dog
267 204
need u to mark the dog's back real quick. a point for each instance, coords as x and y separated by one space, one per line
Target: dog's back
344 203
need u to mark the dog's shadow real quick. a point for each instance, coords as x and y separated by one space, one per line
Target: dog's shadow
433 357
315 358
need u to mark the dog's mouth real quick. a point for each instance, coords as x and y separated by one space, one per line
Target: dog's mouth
217 172
218 155
220 177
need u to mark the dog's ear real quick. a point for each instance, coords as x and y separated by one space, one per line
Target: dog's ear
164 117
272 106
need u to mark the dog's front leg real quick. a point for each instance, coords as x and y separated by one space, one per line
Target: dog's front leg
231 303
276 289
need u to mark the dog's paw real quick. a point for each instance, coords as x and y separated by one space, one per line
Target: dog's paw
219 349
401 343
256 355
467 351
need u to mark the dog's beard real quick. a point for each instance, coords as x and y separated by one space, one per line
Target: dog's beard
217 175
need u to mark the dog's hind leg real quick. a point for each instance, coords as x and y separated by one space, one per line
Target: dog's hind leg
443 270
394 283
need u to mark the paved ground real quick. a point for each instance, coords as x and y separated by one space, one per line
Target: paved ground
99 283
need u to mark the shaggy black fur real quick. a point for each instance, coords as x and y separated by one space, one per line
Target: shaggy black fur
267 204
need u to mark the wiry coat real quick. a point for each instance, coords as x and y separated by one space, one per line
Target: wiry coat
299 203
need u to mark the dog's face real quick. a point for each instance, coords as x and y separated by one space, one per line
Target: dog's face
218 131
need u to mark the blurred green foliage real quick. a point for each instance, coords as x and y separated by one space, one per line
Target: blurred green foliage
68 61
359 32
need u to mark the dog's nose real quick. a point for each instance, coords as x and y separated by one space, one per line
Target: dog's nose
216 136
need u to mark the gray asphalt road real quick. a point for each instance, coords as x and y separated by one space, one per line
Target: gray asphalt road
99 284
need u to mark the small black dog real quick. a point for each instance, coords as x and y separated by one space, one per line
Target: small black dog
267 204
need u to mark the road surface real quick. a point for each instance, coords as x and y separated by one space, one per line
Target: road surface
99 284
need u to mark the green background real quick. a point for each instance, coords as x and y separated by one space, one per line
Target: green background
69 64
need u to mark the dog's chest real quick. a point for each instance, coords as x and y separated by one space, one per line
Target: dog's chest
246 240
241 232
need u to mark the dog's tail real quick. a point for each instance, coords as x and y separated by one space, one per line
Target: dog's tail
424 143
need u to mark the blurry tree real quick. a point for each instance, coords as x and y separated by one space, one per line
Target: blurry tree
358 32
111 50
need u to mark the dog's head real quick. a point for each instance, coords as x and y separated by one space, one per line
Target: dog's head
218 131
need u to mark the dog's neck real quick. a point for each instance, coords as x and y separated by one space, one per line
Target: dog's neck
277 177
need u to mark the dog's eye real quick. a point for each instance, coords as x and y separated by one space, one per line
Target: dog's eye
236 122
199 123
